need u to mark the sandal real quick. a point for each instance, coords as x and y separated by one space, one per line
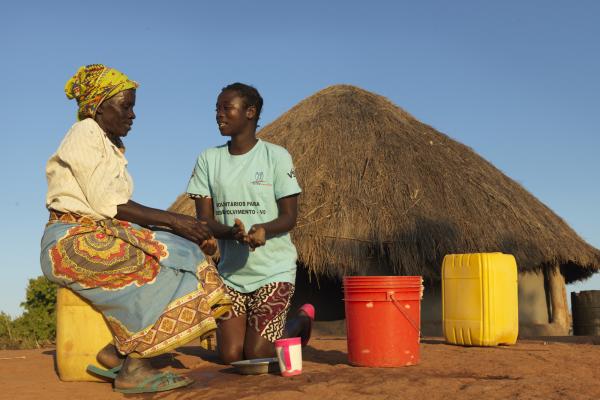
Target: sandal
160 382
105 373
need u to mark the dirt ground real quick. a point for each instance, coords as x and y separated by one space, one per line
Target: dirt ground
545 368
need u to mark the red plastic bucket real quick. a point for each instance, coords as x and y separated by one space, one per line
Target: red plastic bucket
383 317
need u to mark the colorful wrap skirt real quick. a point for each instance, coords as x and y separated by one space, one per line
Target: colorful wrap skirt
156 290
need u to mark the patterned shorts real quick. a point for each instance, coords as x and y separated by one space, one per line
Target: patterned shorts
266 308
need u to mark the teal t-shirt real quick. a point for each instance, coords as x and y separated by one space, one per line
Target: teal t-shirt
247 187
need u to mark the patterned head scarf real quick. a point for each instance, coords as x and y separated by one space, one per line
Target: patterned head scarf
93 84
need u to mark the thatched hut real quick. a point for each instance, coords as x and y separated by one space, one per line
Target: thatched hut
386 194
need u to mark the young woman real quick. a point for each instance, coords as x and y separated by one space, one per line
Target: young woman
249 182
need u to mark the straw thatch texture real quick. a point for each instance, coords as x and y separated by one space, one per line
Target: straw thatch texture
385 193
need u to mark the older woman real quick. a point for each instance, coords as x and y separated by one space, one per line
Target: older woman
155 288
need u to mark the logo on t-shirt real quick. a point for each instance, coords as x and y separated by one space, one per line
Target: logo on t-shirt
292 173
259 179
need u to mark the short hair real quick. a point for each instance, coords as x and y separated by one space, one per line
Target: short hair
249 94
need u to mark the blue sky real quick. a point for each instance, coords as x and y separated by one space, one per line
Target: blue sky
517 81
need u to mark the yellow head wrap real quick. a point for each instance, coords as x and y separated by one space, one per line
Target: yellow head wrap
93 84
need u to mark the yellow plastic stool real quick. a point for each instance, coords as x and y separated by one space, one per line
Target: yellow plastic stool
81 332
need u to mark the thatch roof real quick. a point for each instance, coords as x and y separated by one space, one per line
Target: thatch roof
385 193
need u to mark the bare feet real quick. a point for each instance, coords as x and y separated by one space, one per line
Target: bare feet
300 325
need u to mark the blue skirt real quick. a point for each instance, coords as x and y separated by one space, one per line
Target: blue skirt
156 290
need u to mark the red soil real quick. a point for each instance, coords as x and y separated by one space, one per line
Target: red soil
558 368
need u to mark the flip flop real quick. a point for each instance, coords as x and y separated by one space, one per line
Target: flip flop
152 384
106 373
309 310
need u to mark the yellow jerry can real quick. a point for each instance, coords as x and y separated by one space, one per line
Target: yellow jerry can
480 299
81 332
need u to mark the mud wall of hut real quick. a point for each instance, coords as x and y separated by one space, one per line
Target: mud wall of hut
533 307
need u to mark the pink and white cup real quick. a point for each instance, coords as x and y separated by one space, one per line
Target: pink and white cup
289 355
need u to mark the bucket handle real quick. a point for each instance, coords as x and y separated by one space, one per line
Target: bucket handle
391 297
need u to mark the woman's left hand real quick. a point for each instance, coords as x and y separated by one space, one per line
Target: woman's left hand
256 237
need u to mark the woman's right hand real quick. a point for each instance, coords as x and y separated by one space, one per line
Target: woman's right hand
192 229
209 246
238 231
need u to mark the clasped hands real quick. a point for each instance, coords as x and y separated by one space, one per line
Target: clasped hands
255 237
199 232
